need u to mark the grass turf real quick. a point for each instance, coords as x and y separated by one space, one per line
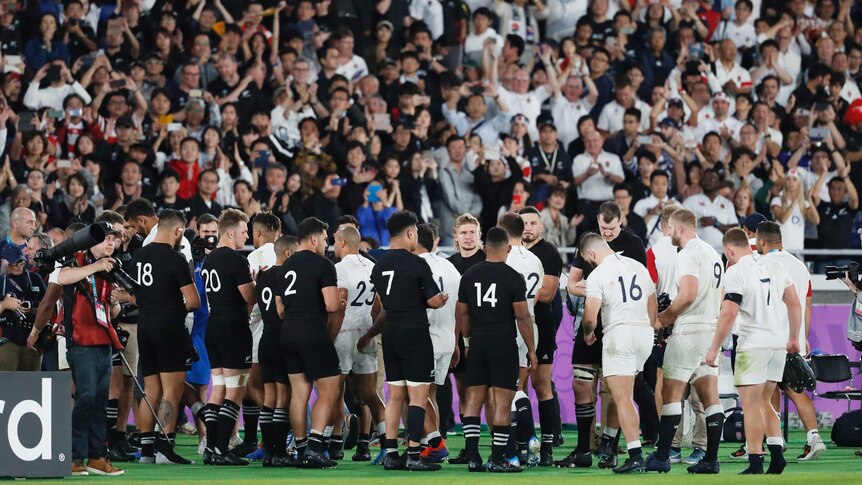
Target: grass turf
837 465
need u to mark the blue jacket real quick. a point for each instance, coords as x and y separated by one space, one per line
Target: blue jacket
373 223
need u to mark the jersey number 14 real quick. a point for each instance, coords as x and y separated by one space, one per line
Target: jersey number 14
490 295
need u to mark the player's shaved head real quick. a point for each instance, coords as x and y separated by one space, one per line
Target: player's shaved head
286 244
170 219
591 241
350 236
512 224
770 232
497 244
685 217
736 238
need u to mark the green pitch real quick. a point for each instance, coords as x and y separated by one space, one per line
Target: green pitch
838 466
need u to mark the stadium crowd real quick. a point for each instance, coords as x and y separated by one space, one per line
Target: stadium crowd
350 111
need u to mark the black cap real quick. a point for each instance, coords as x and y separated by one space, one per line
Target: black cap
545 121
754 220
108 227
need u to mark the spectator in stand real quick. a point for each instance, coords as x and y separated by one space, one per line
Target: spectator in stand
595 174
456 184
715 214
836 217
559 229
71 204
649 209
374 213
203 202
791 208
629 220
743 203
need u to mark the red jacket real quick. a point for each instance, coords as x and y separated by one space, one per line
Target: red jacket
188 177
81 313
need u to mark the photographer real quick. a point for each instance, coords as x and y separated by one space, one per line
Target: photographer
90 341
850 276
22 291
122 389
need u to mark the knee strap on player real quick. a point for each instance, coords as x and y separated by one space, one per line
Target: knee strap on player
236 382
218 380
583 374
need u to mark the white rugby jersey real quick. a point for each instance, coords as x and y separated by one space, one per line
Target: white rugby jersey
262 257
442 320
624 286
700 260
530 267
664 261
801 280
354 275
760 282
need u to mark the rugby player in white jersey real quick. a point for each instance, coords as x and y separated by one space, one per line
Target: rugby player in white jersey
530 267
357 358
442 322
769 244
756 289
622 289
693 313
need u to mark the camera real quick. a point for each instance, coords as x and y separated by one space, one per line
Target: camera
80 241
119 277
122 336
202 244
838 272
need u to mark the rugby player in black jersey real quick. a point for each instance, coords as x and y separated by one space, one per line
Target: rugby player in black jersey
406 287
491 298
165 294
274 420
230 293
306 295
467 236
